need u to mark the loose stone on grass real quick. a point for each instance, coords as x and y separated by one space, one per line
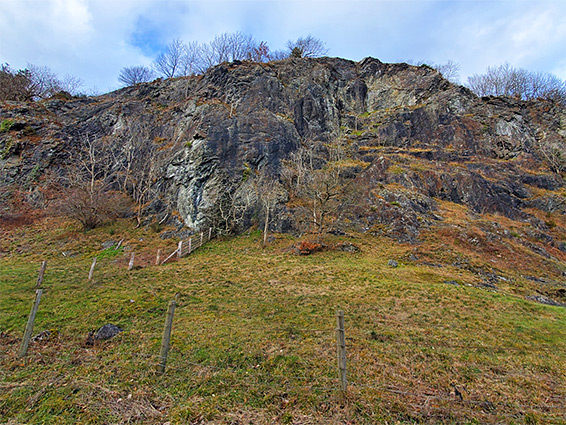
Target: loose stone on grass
544 300
107 331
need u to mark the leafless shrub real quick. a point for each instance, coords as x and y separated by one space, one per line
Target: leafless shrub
88 195
93 207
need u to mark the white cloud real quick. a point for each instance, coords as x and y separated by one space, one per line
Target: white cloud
84 38
75 16
94 39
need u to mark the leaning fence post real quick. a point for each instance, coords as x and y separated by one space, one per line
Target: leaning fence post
131 263
166 336
41 273
158 258
341 350
180 249
29 325
92 268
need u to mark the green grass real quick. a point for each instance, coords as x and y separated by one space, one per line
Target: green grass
5 125
253 338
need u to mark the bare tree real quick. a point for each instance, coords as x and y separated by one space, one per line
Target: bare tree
138 161
169 62
94 161
547 86
181 59
34 83
261 53
270 191
505 80
449 70
191 58
89 197
132 75
71 84
92 206
278 55
307 47
314 176
206 58
44 81
231 208
241 46
227 47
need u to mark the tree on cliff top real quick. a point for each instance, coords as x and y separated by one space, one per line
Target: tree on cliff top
34 83
506 80
169 62
15 85
307 47
132 75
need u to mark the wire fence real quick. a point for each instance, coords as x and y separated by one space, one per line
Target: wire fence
328 374
250 375
188 246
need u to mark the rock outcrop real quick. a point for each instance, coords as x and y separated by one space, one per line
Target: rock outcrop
422 139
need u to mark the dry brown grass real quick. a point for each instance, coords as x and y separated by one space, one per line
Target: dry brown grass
253 338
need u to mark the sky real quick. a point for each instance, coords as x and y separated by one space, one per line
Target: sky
95 39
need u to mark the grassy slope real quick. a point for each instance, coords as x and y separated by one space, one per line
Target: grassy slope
253 338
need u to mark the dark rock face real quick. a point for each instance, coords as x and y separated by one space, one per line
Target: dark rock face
425 139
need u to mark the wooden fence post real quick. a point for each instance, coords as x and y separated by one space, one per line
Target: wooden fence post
190 247
201 238
165 340
131 263
341 350
158 258
180 249
41 273
209 233
29 325
92 268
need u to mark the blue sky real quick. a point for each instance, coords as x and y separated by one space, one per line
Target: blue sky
95 39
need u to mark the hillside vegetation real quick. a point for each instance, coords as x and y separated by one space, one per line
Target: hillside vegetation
448 336
435 220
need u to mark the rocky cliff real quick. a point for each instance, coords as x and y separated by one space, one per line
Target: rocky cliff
421 140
